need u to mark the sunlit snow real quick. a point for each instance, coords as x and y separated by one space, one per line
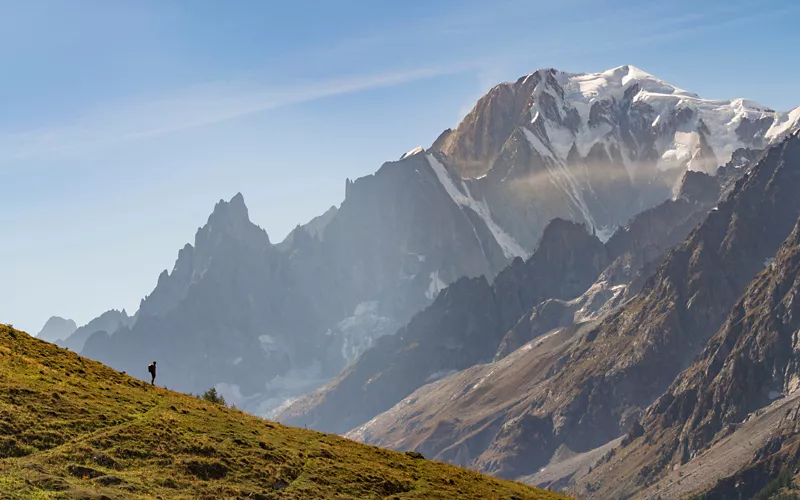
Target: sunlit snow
720 117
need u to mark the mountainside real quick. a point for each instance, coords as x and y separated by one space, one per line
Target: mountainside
748 365
627 360
461 328
73 428
415 358
582 386
455 419
57 328
264 322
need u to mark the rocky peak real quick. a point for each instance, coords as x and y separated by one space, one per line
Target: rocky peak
227 234
698 187
235 209
229 224
57 328
562 237
109 322
473 146
231 217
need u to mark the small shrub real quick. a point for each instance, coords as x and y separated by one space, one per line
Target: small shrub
212 396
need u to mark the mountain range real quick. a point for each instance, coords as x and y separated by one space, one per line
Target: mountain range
579 384
521 295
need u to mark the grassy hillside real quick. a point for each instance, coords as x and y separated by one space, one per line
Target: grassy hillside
73 428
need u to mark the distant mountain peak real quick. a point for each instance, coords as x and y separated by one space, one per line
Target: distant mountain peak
233 209
231 217
559 225
238 199
57 328
656 126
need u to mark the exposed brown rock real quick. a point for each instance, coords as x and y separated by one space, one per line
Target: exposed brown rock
749 364
478 139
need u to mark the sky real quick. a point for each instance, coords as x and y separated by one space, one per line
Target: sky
122 123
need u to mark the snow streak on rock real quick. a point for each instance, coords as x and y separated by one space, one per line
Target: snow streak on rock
510 247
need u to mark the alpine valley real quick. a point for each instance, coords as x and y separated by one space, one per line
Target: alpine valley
590 284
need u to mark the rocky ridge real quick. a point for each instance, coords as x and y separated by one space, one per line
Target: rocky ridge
745 367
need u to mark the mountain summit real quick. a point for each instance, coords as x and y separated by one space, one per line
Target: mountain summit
646 121
57 328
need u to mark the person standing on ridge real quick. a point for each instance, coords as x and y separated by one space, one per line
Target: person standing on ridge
152 369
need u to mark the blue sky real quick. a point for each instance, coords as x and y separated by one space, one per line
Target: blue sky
123 122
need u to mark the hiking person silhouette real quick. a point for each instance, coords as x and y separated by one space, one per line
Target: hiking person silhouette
152 369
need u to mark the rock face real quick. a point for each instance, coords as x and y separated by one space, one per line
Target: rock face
583 386
744 369
57 328
747 364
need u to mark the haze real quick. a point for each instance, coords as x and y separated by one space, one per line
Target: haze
124 122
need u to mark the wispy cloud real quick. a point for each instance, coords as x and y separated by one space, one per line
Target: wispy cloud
199 106
494 46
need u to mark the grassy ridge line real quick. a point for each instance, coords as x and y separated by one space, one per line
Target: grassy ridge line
74 428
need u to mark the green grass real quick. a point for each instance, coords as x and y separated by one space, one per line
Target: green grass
74 428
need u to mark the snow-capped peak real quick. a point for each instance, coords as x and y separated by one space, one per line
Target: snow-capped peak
785 125
683 130
613 83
